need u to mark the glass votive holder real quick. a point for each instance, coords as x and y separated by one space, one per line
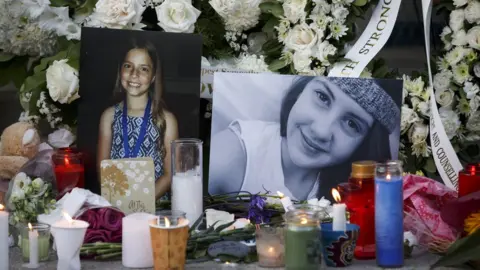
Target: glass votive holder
270 246
43 242
174 217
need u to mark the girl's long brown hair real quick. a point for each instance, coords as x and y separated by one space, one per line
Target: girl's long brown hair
155 91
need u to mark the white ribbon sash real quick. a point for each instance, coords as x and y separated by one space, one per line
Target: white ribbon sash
371 41
446 160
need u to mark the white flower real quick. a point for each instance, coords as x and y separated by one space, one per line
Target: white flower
443 64
366 73
461 73
456 55
473 37
62 82
324 202
476 70
238 15
414 87
459 3
470 89
412 239
418 132
320 21
177 16
251 62
424 108
441 81
339 12
337 30
18 195
459 38
472 12
450 120
302 61
301 37
37 183
473 123
421 149
61 138
323 50
445 97
446 37
283 28
116 14
321 6
294 10
457 17
474 104
408 117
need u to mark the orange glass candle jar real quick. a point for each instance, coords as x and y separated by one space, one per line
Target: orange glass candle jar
69 170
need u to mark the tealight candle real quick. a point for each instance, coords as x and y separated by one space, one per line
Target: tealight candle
339 222
286 202
4 248
69 235
270 246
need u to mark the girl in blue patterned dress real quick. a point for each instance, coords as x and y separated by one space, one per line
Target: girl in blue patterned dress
140 125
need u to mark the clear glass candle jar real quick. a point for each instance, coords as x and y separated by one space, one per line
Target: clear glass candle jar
270 246
303 248
43 241
174 217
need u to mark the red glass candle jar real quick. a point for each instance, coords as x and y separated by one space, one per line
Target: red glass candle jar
69 170
469 180
361 205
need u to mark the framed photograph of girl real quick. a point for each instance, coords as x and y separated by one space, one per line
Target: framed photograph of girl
298 134
139 91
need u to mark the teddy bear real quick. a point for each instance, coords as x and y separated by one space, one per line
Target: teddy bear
19 142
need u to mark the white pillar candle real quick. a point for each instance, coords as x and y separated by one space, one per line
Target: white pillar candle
286 201
33 245
339 222
3 238
187 195
136 242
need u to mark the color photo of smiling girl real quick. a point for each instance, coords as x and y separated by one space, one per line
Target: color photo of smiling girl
324 125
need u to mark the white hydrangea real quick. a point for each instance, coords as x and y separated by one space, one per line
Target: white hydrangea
457 18
441 81
472 12
252 62
238 15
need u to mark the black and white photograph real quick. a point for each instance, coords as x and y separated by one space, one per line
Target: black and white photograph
139 91
298 134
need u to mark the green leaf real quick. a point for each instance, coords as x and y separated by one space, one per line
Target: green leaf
224 226
45 62
274 8
430 165
269 26
277 64
200 253
35 81
466 251
272 46
196 224
87 8
59 3
360 3
4 57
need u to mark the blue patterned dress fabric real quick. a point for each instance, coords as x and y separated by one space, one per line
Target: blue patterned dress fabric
149 146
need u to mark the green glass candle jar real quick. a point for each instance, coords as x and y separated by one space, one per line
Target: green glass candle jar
302 238
42 234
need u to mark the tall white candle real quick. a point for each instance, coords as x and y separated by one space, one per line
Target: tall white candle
3 238
187 195
339 222
33 245
136 242
286 201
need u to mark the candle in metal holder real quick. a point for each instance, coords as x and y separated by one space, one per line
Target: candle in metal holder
389 214
270 246
302 238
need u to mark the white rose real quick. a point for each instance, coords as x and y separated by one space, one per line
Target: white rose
473 37
470 89
116 14
177 16
62 82
302 61
301 37
418 133
294 10
323 50
445 98
459 38
473 123
472 12
441 81
457 17
450 120
61 138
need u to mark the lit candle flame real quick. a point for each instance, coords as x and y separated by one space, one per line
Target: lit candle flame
167 222
2 208
388 177
67 162
336 195
30 227
271 249
68 217
280 194
303 221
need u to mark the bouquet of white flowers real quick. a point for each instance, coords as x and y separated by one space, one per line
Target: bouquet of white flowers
32 190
